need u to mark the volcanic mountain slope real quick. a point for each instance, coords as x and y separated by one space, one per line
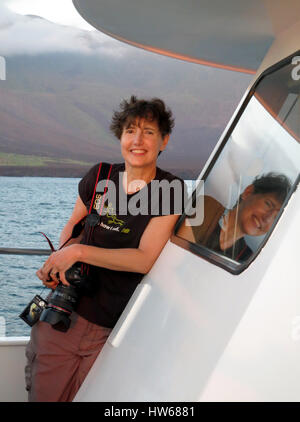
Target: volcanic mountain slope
59 104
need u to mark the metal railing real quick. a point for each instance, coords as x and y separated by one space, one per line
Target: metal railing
24 251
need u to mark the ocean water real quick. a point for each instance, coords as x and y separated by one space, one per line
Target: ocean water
29 205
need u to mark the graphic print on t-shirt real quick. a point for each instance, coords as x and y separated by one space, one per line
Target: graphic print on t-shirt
111 222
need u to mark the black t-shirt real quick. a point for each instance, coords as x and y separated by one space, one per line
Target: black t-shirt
240 251
116 229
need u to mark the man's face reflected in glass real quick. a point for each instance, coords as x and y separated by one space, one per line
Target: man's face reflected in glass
257 212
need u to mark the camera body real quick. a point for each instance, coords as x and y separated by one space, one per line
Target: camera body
76 275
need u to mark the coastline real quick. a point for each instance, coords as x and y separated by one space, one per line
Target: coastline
44 171
71 171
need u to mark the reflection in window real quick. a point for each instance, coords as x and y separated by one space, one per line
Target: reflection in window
223 230
254 173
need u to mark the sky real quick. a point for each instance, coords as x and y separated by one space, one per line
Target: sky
58 11
61 30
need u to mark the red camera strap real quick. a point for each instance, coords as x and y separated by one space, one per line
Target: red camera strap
93 199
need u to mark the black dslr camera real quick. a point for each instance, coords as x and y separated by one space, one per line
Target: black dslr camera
62 301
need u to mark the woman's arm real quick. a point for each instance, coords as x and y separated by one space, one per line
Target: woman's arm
141 259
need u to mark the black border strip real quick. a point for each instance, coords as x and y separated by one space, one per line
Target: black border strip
220 260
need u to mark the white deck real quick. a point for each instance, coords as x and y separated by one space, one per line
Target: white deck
12 358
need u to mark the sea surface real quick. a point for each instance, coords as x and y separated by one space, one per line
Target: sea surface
28 206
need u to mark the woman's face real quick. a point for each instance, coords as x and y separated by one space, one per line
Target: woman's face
141 143
257 212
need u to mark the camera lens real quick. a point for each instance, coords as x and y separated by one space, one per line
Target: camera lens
62 303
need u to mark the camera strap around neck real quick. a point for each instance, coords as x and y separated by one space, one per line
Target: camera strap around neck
93 218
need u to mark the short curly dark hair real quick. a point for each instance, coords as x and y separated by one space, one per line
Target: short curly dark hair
276 183
154 109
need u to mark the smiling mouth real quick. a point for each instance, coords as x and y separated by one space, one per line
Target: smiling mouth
138 151
257 222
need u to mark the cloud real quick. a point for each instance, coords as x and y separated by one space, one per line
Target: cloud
34 35
59 11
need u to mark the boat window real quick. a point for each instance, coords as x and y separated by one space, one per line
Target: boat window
251 177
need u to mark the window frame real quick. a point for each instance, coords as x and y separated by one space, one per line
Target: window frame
211 256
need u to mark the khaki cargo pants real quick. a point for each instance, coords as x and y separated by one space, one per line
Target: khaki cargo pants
57 362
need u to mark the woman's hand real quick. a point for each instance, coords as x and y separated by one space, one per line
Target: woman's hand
53 270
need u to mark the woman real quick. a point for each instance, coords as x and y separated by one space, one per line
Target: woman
120 251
